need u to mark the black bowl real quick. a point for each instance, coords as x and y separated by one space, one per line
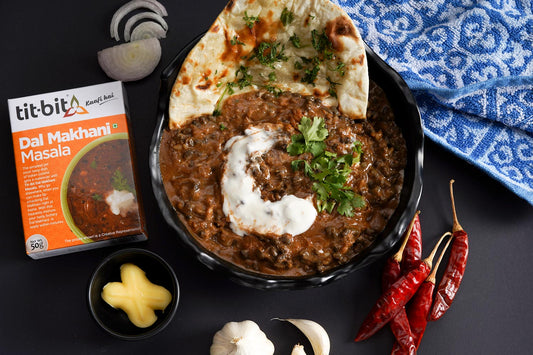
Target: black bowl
407 118
115 321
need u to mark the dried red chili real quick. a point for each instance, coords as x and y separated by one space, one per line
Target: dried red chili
455 269
392 270
401 329
405 342
396 297
413 249
399 324
419 307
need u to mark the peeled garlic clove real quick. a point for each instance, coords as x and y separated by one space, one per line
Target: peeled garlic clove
317 335
298 350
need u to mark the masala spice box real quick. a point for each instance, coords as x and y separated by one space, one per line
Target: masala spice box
76 170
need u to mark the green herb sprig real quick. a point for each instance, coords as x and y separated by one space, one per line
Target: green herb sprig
286 17
311 72
228 90
120 183
332 87
235 40
250 20
322 44
328 170
296 41
268 53
242 79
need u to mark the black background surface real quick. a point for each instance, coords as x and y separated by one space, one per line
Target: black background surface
51 45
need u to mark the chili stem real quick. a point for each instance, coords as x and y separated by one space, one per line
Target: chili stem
398 256
432 276
456 225
429 259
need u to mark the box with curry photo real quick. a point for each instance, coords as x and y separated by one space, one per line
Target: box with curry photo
75 170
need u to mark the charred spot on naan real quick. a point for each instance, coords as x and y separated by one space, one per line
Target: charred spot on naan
267 28
359 60
229 6
205 86
338 28
233 50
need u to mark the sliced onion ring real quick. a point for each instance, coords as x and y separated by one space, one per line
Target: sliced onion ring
161 7
148 29
130 61
152 5
140 16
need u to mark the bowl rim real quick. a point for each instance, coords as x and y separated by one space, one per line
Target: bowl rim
380 247
152 330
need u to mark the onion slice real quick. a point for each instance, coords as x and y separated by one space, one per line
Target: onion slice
130 61
140 16
160 6
152 5
148 29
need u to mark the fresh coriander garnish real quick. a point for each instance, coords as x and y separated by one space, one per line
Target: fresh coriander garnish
272 76
328 171
332 87
273 90
235 41
311 66
310 74
358 151
228 90
97 197
311 139
243 78
322 44
267 53
286 17
250 20
119 182
296 42
309 60
339 68
222 126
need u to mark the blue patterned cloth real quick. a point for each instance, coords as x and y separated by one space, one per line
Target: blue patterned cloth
470 67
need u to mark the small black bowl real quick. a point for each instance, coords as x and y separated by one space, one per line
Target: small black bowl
407 117
115 321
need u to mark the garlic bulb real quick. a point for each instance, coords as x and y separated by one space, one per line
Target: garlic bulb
298 350
314 332
241 338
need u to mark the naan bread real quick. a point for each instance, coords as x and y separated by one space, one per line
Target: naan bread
253 45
